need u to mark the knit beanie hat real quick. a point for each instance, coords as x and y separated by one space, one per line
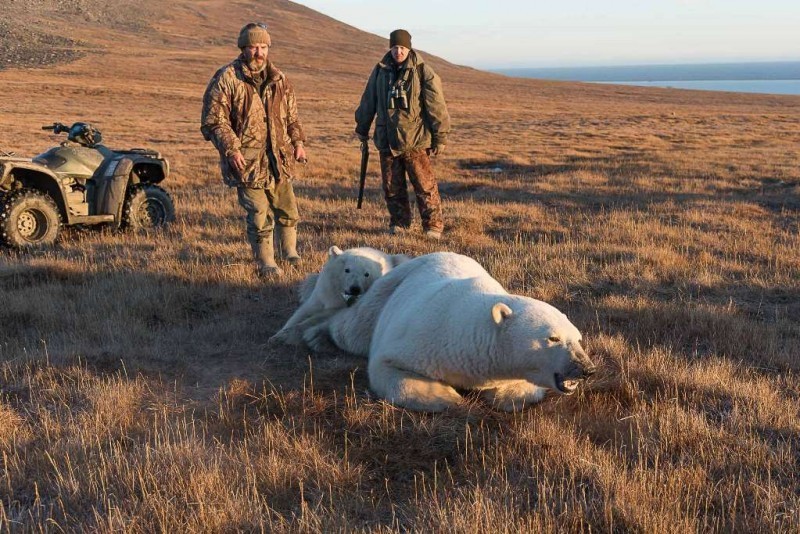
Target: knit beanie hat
253 34
400 38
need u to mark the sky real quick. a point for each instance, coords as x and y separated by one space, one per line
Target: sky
576 33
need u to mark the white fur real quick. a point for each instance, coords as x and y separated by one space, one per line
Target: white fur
440 321
344 278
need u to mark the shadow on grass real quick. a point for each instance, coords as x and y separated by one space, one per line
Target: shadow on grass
200 334
488 182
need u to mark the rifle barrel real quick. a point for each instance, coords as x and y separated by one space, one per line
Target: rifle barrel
363 177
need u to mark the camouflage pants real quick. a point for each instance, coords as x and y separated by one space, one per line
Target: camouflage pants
265 207
417 164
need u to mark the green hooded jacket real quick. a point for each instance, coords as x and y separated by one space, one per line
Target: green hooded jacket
235 119
424 124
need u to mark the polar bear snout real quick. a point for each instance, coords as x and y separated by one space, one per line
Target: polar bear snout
583 370
353 291
351 294
568 383
589 370
579 367
582 360
583 367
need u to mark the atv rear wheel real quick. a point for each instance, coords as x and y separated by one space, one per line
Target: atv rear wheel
147 206
28 218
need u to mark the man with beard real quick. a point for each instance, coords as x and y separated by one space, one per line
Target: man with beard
412 123
250 115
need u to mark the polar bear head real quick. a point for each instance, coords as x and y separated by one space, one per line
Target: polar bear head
351 272
538 343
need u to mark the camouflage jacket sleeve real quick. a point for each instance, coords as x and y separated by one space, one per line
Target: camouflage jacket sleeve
293 127
436 115
215 120
368 106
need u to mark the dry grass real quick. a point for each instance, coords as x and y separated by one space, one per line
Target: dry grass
137 391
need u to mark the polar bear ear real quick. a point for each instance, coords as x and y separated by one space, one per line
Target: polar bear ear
500 312
334 251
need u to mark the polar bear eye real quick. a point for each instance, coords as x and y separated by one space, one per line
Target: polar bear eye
554 339
366 275
347 270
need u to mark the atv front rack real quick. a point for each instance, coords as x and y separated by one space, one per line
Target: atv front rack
143 151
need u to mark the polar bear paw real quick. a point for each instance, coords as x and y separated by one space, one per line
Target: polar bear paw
514 396
425 395
318 339
411 390
285 336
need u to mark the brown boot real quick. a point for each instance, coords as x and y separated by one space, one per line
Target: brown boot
288 241
264 254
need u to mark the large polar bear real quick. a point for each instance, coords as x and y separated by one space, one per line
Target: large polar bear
344 278
440 321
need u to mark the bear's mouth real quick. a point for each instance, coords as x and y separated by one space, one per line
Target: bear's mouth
566 386
349 298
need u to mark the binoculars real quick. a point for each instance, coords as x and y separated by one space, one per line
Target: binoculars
398 98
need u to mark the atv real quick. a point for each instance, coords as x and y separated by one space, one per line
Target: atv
80 182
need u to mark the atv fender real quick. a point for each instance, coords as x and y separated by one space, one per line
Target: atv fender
33 176
148 165
111 187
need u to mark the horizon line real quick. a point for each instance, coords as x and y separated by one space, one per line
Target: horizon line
619 65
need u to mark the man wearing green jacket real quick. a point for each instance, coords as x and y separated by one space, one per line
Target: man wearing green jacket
250 115
412 123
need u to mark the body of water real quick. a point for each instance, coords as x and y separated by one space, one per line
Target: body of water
781 78
774 87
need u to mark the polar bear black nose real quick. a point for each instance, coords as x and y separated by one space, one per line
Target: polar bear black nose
354 290
589 370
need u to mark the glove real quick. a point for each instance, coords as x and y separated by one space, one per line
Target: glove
437 150
361 137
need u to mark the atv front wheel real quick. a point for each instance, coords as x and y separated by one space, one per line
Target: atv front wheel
147 206
28 218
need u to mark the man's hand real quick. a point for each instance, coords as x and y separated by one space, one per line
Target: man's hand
362 138
437 150
300 153
236 160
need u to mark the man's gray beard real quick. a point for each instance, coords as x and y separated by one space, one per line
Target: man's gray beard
254 68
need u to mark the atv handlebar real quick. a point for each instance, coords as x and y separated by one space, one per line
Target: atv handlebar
82 133
57 127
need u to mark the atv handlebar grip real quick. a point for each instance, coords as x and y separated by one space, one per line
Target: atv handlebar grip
57 127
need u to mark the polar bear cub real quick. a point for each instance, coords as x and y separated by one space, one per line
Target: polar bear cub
344 278
440 322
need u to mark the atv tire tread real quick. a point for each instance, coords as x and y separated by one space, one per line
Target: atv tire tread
28 218
147 206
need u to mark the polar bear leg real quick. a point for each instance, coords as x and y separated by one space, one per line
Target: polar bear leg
290 334
410 390
316 332
514 395
287 336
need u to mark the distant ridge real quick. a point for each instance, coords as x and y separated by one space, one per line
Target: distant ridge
775 70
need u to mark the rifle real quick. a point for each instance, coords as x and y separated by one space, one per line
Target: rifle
364 161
